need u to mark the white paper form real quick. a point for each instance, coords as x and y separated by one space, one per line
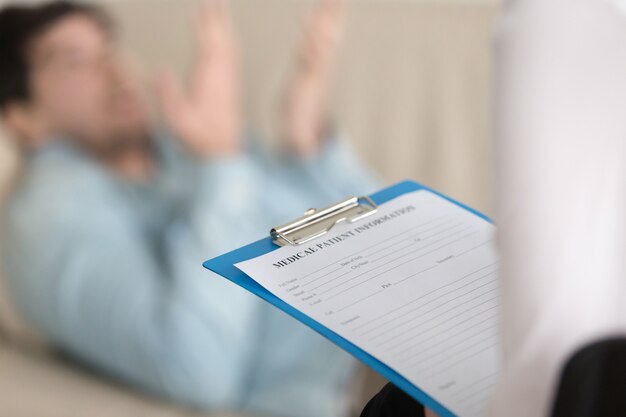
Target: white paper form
414 285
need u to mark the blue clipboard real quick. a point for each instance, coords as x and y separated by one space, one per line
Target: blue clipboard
224 265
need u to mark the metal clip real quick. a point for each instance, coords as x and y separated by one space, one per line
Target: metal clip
316 223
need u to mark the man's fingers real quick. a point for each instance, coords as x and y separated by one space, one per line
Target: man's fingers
170 95
333 8
213 26
330 10
328 19
213 11
204 23
322 34
326 22
222 12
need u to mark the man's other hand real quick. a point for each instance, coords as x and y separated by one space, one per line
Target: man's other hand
206 114
304 106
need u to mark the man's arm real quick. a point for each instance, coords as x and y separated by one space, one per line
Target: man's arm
91 281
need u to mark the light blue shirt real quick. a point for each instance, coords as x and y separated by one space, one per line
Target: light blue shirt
111 272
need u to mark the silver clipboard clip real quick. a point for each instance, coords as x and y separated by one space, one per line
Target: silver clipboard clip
316 223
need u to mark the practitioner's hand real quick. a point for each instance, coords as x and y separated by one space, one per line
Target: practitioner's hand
304 112
206 115
430 413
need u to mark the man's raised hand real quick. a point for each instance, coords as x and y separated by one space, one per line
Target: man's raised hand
206 114
304 107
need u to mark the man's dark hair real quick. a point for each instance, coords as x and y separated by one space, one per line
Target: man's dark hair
19 27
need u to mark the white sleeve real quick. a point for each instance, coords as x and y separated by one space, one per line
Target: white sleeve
561 188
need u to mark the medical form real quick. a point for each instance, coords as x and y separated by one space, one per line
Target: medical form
414 285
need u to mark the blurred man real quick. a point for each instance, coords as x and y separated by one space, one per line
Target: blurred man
110 221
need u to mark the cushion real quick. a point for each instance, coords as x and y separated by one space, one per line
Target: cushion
11 325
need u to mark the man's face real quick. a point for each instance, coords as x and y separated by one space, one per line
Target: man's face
81 88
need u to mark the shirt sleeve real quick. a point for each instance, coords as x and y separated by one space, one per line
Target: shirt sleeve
338 164
100 291
561 190
335 170
142 307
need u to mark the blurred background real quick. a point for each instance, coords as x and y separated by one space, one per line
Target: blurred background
412 96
